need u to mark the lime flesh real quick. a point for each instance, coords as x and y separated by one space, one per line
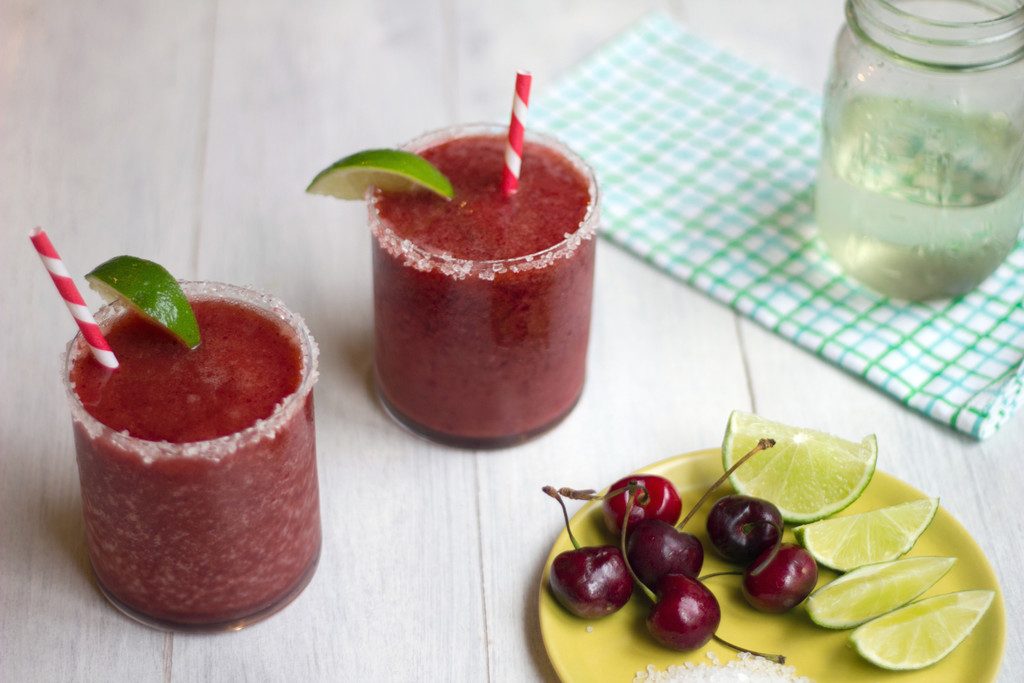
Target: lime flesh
923 632
874 590
148 288
808 475
388 169
845 543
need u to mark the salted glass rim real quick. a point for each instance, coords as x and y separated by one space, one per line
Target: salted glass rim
427 259
219 447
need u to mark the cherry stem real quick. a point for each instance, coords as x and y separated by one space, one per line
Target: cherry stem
756 571
550 490
749 526
642 499
578 494
762 444
632 487
733 572
778 659
591 494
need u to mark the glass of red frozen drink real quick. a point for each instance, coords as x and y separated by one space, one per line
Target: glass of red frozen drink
482 302
198 466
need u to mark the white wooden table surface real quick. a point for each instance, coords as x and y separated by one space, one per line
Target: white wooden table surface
185 132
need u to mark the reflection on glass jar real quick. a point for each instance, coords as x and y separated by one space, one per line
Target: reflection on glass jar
919 191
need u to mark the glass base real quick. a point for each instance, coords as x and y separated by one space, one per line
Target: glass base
236 624
469 442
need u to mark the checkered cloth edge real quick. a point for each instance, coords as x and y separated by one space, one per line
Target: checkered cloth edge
706 165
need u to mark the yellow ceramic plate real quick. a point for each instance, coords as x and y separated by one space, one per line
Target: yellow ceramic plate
616 647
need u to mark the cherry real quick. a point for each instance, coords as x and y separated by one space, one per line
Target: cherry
742 527
590 582
658 500
686 614
780 578
656 548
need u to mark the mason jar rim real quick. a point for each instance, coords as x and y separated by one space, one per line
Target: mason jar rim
1016 13
219 447
427 259
936 43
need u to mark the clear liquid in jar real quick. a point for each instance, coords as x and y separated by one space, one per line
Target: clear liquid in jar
919 202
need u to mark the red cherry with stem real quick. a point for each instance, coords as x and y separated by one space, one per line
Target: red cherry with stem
591 582
656 548
780 578
658 500
742 527
685 614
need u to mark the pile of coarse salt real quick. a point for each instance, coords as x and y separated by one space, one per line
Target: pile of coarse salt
746 668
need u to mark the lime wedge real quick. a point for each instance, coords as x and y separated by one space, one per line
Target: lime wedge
808 475
874 590
388 169
148 288
845 543
923 632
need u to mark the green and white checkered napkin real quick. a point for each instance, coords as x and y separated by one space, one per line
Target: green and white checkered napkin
706 165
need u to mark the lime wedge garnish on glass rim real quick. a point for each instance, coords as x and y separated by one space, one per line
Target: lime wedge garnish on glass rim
808 475
845 543
148 288
874 590
388 169
923 632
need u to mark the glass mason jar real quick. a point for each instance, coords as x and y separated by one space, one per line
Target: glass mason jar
485 351
919 192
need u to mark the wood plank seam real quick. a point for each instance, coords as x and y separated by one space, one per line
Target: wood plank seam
204 131
480 553
742 342
168 657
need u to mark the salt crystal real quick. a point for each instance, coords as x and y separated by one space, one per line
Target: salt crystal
746 667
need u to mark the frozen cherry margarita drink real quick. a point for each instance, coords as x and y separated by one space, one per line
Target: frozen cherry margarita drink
198 466
482 302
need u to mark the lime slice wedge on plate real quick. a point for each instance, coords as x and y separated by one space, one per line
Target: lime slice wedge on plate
845 543
923 632
388 169
874 590
148 288
808 474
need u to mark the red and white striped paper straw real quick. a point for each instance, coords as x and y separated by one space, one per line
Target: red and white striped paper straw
516 129
69 292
